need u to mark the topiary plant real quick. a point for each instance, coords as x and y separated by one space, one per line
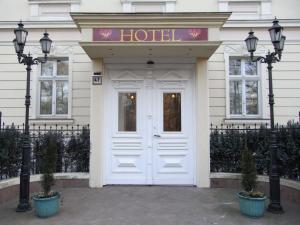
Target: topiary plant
249 173
48 155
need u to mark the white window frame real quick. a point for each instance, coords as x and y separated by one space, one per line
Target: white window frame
263 115
129 5
265 11
34 6
54 78
244 78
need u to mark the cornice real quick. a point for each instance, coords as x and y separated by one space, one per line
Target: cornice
134 1
53 1
195 19
261 23
39 24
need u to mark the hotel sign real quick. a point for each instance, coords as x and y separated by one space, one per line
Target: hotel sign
150 35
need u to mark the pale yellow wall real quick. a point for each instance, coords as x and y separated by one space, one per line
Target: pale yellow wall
286 9
13 74
286 79
14 10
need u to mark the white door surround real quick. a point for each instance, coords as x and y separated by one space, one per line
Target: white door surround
150 152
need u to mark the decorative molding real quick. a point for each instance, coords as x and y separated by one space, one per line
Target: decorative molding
59 50
173 76
241 50
55 51
127 75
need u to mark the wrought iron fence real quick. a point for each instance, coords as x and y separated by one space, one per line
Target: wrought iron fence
73 148
226 142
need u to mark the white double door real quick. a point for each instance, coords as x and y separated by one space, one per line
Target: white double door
150 124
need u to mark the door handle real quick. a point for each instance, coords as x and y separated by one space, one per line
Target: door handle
156 135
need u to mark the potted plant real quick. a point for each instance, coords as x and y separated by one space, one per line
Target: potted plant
252 203
46 203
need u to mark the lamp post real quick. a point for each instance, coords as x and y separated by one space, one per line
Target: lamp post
278 42
28 60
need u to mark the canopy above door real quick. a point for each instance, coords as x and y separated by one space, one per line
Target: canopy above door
150 34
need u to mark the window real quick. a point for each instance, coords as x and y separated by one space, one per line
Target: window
247 9
148 5
172 111
54 87
244 86
53 10
127 111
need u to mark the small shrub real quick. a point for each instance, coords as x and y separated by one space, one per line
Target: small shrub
248 170
48 155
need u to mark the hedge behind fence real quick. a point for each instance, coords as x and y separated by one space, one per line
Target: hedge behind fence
72 148
226 144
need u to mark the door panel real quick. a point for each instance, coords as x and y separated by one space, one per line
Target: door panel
173 150
126 154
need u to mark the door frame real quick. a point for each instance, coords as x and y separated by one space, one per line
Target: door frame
188 64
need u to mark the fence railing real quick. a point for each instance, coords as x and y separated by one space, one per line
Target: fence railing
72 148
226 143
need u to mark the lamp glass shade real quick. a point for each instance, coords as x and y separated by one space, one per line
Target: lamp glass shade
251 42
275 32
46 43
21 34
281 43
17 47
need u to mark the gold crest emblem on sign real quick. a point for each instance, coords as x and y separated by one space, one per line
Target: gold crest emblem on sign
194 33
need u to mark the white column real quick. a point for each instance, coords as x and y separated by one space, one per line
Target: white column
97 129
202 125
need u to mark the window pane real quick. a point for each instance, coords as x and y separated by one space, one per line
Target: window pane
46 97
172 111
127 112
234 66
252 97
62 97
250 67
235 97
62 67
47 68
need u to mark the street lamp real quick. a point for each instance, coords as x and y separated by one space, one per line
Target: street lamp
278 42
28 60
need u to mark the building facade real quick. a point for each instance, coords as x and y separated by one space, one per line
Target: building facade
149 76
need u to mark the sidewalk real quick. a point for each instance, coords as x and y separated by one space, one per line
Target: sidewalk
146 205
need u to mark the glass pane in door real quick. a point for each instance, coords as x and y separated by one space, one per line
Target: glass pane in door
172 111
127 112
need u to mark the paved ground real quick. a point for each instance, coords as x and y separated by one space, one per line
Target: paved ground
133 205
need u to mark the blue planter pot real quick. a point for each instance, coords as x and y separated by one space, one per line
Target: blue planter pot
252 207
46 207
